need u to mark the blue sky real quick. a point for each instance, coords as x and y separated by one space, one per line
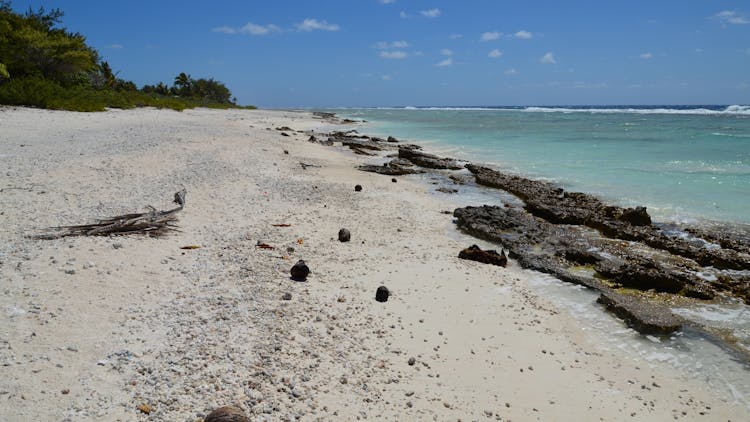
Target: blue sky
433 52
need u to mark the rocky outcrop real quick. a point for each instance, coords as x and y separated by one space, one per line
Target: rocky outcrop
475 253
645 274
643 317
555 249
557 206
580 255
428 160
389 169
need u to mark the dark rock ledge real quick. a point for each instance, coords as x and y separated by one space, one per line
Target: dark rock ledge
428 160
557 206
579 239
642 316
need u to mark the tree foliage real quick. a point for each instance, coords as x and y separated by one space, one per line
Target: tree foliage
44 65
32 45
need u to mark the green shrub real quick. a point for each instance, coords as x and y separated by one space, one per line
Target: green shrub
36 91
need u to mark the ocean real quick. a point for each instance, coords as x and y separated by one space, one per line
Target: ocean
685 163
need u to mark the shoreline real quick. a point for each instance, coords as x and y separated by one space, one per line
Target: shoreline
719 251
476 144
186 331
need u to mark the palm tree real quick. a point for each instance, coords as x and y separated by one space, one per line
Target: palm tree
183 83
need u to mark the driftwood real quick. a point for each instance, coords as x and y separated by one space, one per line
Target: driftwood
153 223
305 166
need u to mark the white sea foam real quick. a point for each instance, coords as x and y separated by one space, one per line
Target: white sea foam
732 135
741 110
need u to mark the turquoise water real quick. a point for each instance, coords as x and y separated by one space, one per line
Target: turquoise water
683 163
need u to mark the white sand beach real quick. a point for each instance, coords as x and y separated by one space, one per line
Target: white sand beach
94 328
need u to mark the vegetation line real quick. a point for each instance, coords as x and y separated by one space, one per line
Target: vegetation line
44 65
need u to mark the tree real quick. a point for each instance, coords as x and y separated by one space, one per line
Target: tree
211 90
183 84
32 45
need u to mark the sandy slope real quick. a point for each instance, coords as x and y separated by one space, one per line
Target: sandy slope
91 328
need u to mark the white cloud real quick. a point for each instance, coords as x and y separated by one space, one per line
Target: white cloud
731 17
646 56
456 36
548 58
524 35
404 15
490 36
253 29
386 77
225 30
431 13
249 28
445 63
309 25
511 72
114 46
446 52
387 1
393 54
382 45
495 54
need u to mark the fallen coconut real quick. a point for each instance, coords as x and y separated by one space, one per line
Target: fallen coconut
381 295
358 188
227 414
300 270
344 235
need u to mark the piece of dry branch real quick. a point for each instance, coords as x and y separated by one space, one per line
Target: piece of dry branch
153 223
